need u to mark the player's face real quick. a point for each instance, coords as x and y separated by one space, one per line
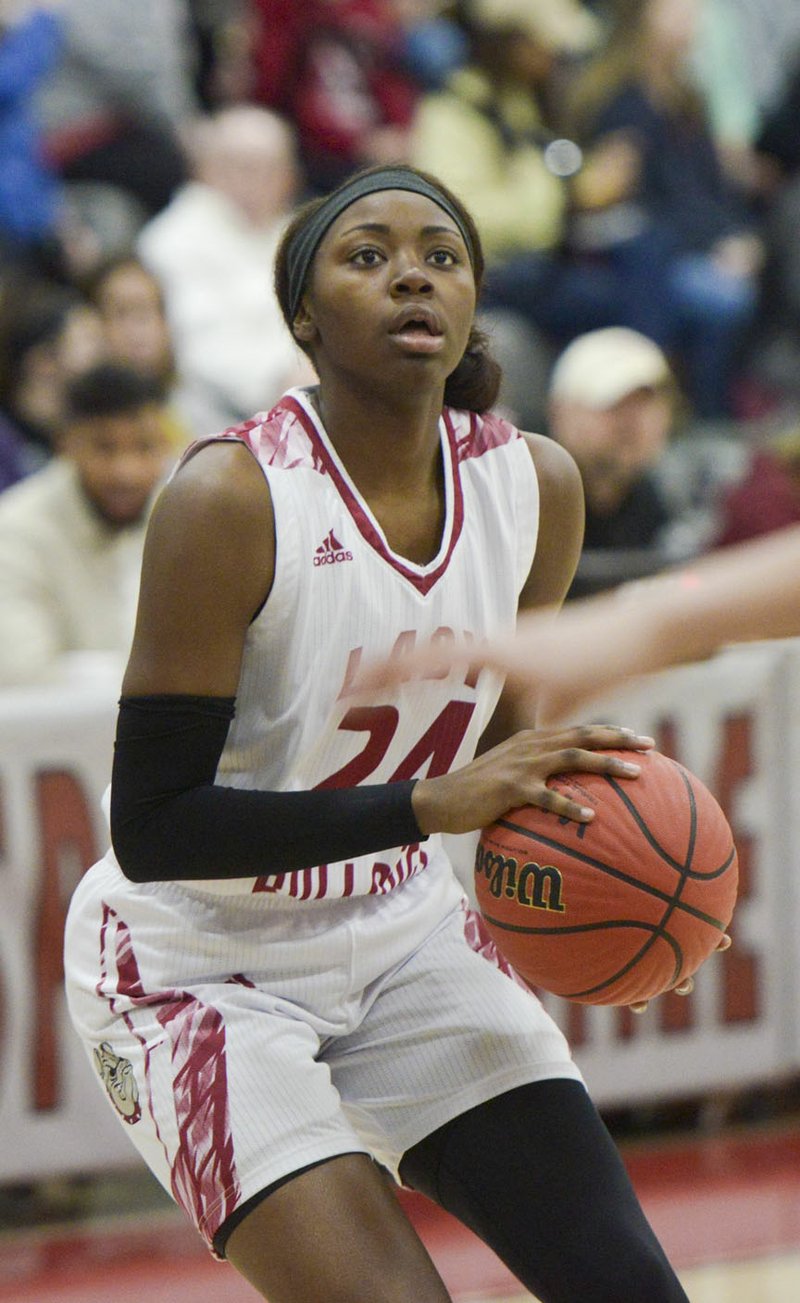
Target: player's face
392 293
120 460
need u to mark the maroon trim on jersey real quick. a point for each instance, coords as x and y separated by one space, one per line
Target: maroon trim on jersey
237 434
423 581
484 433
269 433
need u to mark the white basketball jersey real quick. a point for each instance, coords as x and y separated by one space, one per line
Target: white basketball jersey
341 598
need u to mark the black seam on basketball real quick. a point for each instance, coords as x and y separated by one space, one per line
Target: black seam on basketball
567 929
683 870
653 928
614 873
651 840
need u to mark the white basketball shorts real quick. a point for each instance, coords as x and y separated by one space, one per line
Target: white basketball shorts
241 1038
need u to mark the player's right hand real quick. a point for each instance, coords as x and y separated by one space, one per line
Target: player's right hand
516 772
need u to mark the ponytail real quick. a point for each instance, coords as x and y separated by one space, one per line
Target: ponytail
475 384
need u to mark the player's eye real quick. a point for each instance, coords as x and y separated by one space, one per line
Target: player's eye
367 256
444 258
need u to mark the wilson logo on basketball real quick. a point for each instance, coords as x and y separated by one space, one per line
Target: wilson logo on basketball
537 886
330 551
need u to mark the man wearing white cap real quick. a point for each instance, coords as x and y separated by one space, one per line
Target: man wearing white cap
612 404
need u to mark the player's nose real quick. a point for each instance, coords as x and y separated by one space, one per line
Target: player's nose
411 279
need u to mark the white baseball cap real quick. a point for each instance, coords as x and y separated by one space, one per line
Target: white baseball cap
602 367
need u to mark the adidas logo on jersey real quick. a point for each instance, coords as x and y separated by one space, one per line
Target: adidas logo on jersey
330 551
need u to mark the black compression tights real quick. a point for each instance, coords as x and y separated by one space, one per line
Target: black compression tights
536 1175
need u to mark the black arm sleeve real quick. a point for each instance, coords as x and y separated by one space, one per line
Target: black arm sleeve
170 821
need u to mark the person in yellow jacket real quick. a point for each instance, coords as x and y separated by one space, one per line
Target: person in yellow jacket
492 136
485 132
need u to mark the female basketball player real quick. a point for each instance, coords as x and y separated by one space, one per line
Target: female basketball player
274 969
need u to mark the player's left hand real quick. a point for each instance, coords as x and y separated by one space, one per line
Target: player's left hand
685 988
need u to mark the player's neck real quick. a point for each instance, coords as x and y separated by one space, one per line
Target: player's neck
383 445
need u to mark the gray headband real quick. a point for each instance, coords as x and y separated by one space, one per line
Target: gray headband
306 241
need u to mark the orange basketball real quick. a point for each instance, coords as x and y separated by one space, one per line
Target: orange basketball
622 908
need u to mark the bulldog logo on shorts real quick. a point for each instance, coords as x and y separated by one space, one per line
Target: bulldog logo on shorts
117 1077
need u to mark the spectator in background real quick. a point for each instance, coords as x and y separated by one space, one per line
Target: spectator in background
657 492
776 351
212 251
15 458
489 136
48 334
721 66
222 33
71 534
612 404
434 44
130 301
336 69
771 40
114 109
759 37
763 498
277 43
31 203
638 89
485 133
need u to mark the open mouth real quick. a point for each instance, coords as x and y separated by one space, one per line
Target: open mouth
418 325
418 330
417 319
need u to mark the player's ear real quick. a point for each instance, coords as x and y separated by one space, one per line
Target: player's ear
304 327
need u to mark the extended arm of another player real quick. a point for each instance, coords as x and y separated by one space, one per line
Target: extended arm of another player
741 594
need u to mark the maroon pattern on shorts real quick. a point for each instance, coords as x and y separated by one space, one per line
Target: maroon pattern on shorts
204 1180
203 1170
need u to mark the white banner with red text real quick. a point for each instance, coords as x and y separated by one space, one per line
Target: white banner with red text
734 720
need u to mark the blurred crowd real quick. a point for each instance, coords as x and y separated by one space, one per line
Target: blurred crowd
634 169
